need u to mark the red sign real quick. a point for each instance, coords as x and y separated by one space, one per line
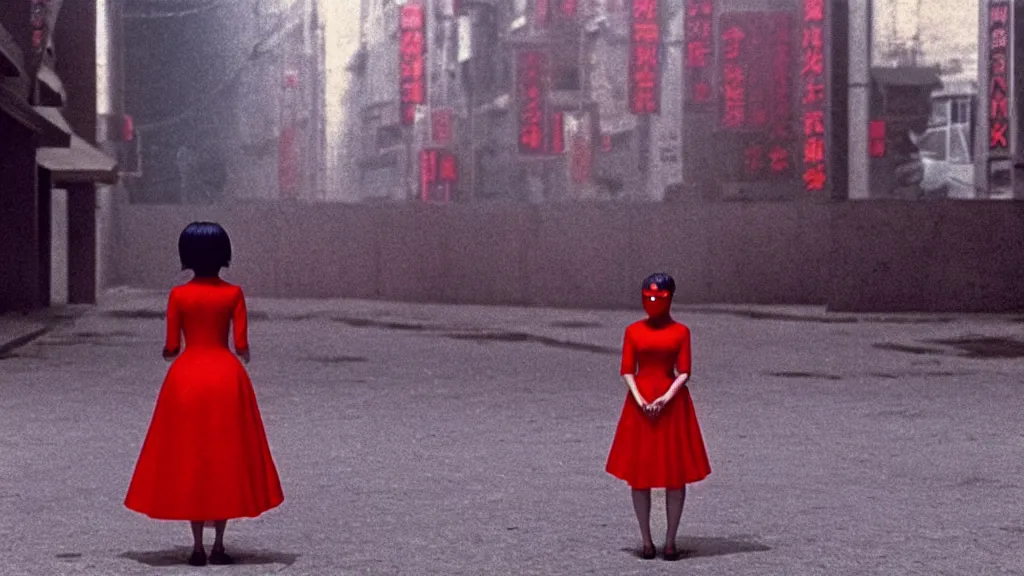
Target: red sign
558 133
999 80
569 8
757 99
814 96
876 138
288 163
699 53
581 159
441 128
411 61
644 59
439 170
531 71
541 10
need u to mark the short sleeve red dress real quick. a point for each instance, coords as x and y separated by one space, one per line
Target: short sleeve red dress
206 455
668 451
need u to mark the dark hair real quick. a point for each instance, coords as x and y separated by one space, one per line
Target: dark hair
662 281
204 248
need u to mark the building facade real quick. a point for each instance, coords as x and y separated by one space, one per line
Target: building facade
54 225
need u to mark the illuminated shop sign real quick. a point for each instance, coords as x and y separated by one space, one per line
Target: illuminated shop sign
644 62
999 78
439 172
699 53
814 98
757 92
411 59
531 68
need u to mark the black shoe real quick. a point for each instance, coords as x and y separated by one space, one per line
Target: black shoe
671 555
198 558
220 558
648 553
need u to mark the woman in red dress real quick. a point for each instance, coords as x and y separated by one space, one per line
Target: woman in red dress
658 443
205 457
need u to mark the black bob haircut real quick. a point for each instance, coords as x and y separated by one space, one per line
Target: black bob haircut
204 248
662 281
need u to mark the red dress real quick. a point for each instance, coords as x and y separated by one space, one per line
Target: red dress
205 456
667 452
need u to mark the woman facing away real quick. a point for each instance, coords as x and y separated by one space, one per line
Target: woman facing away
205 457
658 443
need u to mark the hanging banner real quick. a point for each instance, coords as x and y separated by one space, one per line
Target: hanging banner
441 125
757 94
814 79
411 61
699 53
644 58
531 74
999 92
439 172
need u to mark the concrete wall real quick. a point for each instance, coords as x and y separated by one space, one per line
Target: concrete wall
571 255
927 256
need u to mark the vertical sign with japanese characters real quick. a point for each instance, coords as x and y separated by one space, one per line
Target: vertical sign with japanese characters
699 53
439 171
531 74
814 96
644 61
411 60
999 78
757 95
541 13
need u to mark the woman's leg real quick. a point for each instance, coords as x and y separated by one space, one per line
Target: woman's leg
197 536
674 500
642 507
217 554
198 557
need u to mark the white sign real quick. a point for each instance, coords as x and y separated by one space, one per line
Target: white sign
465 39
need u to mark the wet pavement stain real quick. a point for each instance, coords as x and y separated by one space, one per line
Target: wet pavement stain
891 346
780 317
336 359
367 323
576 324
920 374
542 340
985 347
813 375
111 334
134 314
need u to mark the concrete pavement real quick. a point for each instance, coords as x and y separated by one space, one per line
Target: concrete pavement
422 439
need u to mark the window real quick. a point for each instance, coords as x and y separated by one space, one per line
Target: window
960 145
933 144
566 78
389 137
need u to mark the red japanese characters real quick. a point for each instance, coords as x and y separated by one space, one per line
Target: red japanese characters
441 125
439 171
757 96
998 90
876 139
699 52
411 61
531 70
814 98
644 60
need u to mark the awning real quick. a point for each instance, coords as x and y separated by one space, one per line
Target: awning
56 132
12 60
15 105
51 89
80 163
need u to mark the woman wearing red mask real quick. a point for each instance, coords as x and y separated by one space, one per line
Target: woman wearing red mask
658 443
